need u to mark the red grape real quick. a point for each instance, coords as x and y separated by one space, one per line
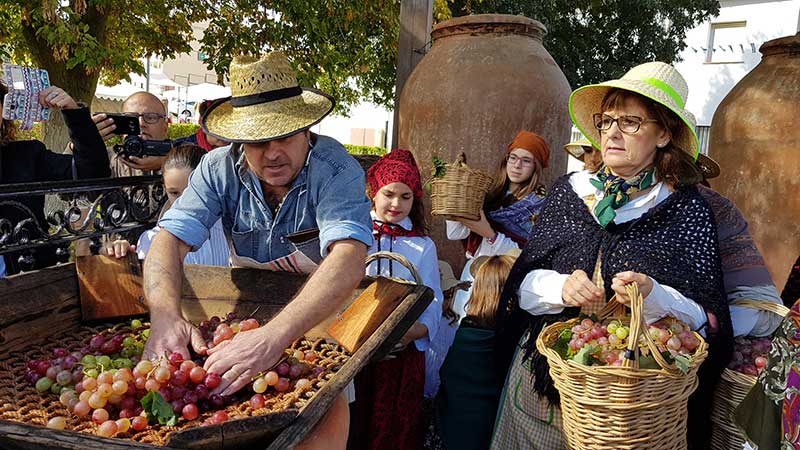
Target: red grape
212 380
190 411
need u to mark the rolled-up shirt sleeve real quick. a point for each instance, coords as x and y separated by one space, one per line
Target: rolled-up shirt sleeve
343 211
540 292
197 209
666 301
456 230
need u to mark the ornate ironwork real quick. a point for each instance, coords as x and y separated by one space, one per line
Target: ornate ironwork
94 208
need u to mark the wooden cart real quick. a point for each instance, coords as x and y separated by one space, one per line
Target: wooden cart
38 306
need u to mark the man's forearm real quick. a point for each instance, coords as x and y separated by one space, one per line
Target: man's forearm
163 267
323 294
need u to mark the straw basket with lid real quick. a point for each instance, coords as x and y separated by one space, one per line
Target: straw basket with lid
732 388
622 407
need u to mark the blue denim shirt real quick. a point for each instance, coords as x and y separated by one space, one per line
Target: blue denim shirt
328 194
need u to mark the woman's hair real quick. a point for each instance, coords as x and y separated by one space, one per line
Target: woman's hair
673 164
496 198
8 129
417 213
486 290
186 156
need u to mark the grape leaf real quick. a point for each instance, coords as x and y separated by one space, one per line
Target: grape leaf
584 355
562 343
683 362
158 409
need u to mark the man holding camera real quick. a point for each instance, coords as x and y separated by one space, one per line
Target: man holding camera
153 125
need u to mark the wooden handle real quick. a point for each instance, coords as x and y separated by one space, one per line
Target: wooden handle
399 258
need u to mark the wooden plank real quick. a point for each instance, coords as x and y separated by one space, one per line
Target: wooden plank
110 287
360 320
28 437
234 433
384 338
37 305
416 17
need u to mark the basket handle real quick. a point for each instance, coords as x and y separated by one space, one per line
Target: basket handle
638 327
760 305
392 256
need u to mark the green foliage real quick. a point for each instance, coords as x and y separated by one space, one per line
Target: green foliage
562 343
364 150
34 133
347 48
439 167
158 410
179 130
598 40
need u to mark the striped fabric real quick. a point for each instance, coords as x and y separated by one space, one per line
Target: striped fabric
526 420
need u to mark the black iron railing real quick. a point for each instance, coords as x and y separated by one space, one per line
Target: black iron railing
92 208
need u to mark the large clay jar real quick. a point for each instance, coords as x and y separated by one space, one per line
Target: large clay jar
755 137
485 78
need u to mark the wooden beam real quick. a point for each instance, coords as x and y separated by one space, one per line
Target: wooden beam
416 18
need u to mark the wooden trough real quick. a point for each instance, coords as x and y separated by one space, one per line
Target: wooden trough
40 308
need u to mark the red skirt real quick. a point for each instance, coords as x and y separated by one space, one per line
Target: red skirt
388 406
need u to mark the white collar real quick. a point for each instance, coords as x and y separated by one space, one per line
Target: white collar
404 224
584 188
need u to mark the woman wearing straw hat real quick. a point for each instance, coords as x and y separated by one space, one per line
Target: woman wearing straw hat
584 151
287 199
639 218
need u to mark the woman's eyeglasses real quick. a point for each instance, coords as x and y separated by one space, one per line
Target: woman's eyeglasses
513 159
626 124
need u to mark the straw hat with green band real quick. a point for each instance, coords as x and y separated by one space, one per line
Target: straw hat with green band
266 103
657 81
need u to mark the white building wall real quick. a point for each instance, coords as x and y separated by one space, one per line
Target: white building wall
710 82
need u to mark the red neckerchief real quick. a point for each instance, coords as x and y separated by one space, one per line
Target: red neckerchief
202 141
393 230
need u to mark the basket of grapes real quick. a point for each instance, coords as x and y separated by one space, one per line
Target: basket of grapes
749 359
623 383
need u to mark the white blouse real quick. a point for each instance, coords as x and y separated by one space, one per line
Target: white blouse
421 252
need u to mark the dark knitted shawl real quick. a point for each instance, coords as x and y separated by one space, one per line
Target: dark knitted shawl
675 243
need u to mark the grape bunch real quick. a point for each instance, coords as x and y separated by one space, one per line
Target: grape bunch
750 354
216 330
594 343
296 372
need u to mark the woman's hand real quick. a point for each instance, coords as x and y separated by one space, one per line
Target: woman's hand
579 290
55 97
622 279
119 248
480 226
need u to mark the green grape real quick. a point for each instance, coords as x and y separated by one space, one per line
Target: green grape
128 342
104 361
146 333
44 384
88 361
127 352
119 363
136 323
92 373
55 388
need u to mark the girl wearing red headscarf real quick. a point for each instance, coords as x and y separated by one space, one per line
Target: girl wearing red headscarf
389 392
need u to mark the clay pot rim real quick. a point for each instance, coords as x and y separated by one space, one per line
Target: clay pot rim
534 27
786 44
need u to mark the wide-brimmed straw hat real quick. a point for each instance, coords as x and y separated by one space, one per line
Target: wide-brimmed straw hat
657 81
266 102
481 260
708 166
575 148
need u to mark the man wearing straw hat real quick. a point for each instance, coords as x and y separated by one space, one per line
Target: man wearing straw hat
287 199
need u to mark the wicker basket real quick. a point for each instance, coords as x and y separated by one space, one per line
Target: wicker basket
460 192
622 407
733 386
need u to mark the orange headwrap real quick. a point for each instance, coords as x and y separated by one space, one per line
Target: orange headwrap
533 143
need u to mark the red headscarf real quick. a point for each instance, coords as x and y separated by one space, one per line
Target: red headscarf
533 143
396 166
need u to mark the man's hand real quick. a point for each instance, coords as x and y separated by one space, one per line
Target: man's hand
622 279
105 125
173 334
241 358
579 290
146 163
55 97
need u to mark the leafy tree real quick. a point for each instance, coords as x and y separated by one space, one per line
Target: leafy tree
79 41
596 40
347 48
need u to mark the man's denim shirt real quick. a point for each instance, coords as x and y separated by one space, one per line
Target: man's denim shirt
328 194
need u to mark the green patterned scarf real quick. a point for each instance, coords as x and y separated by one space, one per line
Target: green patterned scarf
618 191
